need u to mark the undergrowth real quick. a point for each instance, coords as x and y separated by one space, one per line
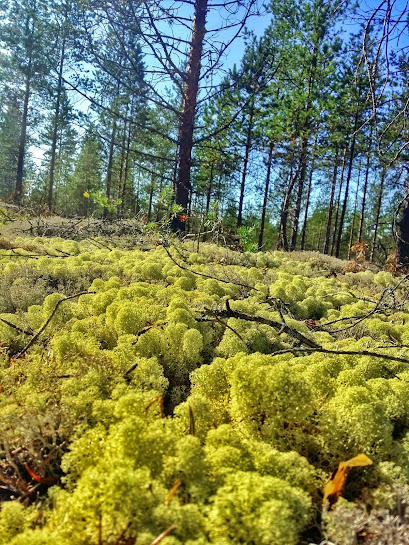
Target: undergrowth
141 406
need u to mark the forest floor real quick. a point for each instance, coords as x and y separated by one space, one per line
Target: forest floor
250 375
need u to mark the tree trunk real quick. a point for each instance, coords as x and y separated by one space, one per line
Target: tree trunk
378 213
150 200
351 232
55 129
121 187
126 170
307 202
285 210
331 204
300 189
334 235
344 204
183 185
304 145
108 183
245 163
209 189
23 135
266 188
402 254
365 188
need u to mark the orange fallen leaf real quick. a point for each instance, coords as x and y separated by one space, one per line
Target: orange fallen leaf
334 487
38 478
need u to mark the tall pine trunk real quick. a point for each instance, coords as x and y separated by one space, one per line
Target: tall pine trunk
187 123
378 213
285 210
245 163
365 188
346 195
344 204
351 231
56 124
108 183
126 170
300 189
331 204
307 202
402 254
304 145
266 189
341 182
18 193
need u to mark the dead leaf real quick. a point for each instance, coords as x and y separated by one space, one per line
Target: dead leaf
38 478
334 487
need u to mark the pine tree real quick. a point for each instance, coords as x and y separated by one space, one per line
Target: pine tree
28 44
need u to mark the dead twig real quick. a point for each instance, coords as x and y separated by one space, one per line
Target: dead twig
42 328
14 326
281 327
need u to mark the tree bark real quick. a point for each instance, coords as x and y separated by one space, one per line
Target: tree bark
307 202
266 189
351 232
334 235
402 254
55 130
378 213
344 204
18 193
126 169
331 204
108 183
209 189
191 88
285 210
365 188
300 189
150 199
245 163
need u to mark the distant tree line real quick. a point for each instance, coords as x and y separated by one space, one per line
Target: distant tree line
125 109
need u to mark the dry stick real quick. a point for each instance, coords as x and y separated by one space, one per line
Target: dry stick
281 327
22 255
29 333
231 329
121 537
312 346
35 337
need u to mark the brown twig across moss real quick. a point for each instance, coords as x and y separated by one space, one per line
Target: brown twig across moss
45 324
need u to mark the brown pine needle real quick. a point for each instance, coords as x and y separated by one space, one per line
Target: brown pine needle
173 490
164 534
